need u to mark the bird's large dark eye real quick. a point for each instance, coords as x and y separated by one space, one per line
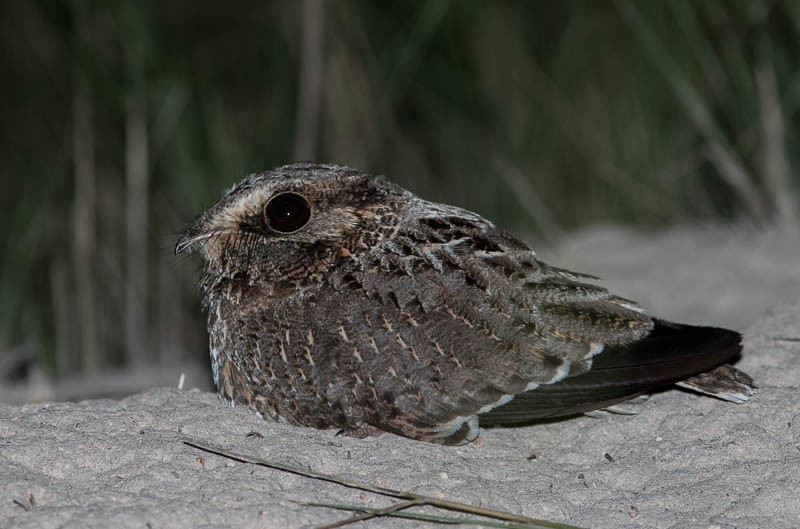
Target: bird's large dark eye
287 212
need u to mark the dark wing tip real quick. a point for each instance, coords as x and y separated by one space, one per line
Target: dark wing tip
670 354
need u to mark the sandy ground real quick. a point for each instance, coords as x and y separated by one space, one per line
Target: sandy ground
681 462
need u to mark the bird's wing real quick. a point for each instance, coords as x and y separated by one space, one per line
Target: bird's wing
473 318
471 324
669 354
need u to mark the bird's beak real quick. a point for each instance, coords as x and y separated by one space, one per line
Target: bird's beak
190 238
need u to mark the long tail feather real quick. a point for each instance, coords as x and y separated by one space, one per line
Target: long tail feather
670 354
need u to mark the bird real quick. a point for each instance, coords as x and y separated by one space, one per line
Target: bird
336 299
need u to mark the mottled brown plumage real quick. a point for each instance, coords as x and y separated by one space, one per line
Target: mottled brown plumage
336 299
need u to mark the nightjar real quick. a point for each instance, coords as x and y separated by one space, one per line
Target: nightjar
337 299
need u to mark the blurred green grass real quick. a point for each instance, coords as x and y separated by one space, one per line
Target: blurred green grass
543 116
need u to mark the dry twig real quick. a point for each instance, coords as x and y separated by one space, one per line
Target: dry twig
412 499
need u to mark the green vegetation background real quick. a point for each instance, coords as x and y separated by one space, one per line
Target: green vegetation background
122 120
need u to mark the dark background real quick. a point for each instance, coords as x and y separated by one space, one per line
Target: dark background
122 120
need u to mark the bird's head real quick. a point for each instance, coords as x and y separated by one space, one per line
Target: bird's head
290 221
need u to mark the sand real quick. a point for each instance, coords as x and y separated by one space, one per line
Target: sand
682 461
